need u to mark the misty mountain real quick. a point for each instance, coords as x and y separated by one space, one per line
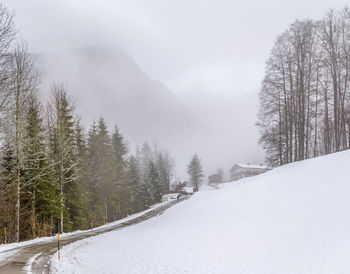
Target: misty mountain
112 84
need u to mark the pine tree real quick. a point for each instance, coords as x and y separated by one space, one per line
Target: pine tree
163 175
153 179
80 143
124 192
145 195
76 198
165 167
62 153
101 167
39 190
8 190
107 168
145 157
195 171
120 149
91 177
81 220
135 182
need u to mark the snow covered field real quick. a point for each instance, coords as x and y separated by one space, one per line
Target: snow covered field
294 219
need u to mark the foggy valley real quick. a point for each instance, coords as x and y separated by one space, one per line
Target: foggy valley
111 84
174 136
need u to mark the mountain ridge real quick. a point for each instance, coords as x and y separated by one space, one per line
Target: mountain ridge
111 83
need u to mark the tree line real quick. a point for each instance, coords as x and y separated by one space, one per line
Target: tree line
54 176
304 100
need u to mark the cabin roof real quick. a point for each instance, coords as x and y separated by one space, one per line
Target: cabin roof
248 166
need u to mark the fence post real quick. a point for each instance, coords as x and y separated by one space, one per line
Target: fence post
5 233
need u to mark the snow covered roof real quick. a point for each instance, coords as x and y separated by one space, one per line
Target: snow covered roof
250 166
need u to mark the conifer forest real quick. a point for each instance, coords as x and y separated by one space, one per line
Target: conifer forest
55 174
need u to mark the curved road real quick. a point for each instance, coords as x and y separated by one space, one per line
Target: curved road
35 257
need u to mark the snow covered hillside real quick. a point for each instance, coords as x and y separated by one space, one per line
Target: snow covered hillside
293 219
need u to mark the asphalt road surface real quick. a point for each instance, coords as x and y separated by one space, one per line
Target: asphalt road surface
36 257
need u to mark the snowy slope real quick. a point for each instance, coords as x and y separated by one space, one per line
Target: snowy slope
293 219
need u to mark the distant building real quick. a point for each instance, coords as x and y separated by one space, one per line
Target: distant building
239 171
214 179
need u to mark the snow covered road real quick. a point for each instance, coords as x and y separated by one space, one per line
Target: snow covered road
34 256
293 219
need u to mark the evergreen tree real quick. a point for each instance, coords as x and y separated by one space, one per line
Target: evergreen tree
101 170
165 168
62 155
163 175
124 192
80 148
107 169
154 182
77 197
145 157
8 190
195 171
120 149
146 199
135 185
38 188
91 177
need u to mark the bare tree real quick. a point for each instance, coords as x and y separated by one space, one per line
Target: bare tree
304 99
7 43
23 83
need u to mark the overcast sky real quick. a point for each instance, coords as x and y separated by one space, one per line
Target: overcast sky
178 42
209 53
